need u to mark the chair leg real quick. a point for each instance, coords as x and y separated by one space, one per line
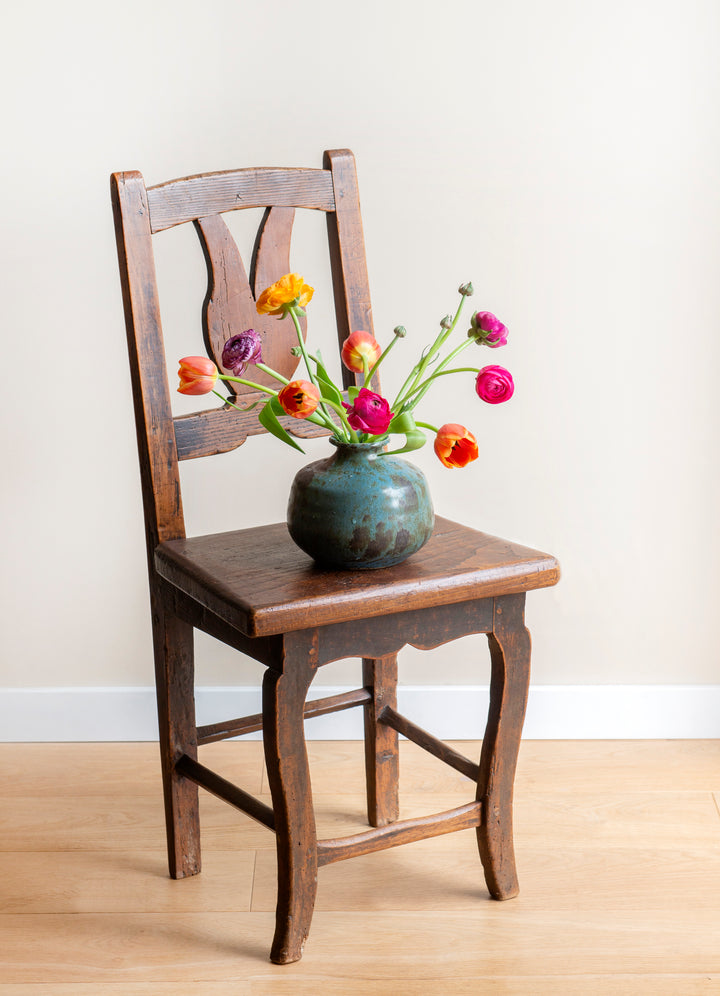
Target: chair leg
174 683
289 778
381 741
510 657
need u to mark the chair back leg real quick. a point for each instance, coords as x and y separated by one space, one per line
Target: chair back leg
174 684
380 676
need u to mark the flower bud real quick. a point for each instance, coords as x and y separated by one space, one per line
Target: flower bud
446 322
400 331
466 289
296 351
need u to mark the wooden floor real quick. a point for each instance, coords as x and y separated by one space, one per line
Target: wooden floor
618 850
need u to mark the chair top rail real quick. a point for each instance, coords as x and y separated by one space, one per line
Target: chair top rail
188 198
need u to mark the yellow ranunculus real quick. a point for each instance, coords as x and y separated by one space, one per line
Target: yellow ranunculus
278 296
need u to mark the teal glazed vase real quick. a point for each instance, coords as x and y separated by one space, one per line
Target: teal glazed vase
359 509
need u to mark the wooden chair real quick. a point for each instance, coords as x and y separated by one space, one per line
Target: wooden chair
254 590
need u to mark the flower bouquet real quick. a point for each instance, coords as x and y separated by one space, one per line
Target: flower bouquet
359 415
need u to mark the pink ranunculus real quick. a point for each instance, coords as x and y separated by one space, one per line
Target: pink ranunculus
489 329
370 413
494 384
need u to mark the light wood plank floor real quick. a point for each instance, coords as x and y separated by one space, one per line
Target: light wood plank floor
618 847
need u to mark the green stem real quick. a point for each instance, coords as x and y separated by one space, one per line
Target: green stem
381 357
421 367
345 426
409 402
272 373
248 383
426 425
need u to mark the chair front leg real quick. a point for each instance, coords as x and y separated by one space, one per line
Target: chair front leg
289 778
380 677
174 683
510 657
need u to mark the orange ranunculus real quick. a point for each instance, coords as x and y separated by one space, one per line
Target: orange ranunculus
197 375
455 445
276 298
299 398
359 345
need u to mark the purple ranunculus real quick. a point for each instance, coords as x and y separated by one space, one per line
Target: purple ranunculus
494 384
489 329
240 350
369 413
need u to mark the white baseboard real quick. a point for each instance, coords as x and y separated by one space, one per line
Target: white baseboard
555 712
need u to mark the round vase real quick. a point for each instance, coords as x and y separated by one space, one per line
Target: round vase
360 509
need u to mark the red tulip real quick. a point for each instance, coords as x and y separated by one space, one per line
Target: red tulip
197 375
299 398
455 445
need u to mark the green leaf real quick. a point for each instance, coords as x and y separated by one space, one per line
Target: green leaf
268 419
328 390
413 441
352 392
403 423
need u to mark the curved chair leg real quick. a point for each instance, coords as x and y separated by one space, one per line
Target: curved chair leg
381 741
510 656
289 777
174 683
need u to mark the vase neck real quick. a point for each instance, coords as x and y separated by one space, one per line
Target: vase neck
366 451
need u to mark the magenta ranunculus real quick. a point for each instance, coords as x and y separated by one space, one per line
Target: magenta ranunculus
241 349
494 384
370 413
488 329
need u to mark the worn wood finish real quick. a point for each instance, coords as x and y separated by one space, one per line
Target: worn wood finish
193 197
346 240
403 832
174 684
261 583
220 787
380 677
257 592
429 743
289 779
252 724
509 685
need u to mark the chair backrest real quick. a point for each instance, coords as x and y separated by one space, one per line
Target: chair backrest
229 307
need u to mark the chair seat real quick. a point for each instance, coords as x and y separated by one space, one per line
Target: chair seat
261 584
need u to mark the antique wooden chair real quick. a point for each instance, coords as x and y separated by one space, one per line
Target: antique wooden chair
257 592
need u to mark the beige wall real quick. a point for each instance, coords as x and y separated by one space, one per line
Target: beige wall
563 155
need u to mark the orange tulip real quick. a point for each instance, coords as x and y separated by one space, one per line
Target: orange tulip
359 345
197 375
455 445
276 298
299 398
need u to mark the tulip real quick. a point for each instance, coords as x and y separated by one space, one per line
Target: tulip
241 349
369 413
360 351
494 384
288 290
485 327
197 375
455 446
299 398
